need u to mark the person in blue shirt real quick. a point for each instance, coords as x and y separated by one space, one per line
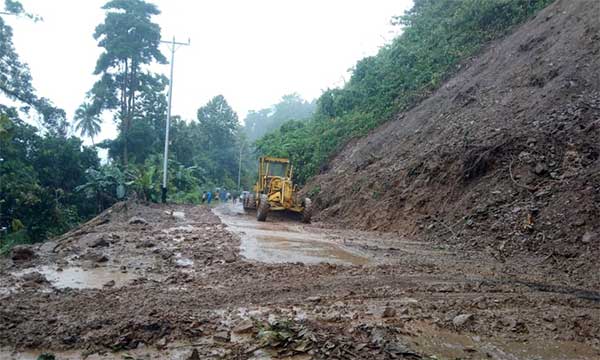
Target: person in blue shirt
208 197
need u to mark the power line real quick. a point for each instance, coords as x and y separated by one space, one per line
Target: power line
173 47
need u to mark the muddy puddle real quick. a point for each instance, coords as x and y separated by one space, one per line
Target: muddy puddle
80 278
450 345
282 241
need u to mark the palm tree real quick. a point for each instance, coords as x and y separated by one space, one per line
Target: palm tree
87 122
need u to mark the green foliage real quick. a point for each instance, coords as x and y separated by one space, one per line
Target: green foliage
130 41
203 154
87 122
32 205
437 36
147 180
18 237
103 184
38 180
217 131
39 170
15 77
46 356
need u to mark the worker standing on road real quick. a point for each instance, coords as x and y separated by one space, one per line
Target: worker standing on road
208 197
203 196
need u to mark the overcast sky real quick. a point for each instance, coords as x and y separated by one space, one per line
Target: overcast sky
252 52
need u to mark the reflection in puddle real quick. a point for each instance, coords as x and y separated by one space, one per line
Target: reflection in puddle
79 278
281 242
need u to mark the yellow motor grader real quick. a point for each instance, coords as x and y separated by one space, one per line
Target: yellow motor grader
274 190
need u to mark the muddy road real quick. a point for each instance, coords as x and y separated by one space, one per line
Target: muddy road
185 282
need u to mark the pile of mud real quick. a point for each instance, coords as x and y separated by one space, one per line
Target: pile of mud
505 156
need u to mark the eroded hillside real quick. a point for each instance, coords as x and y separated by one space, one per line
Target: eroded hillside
505 155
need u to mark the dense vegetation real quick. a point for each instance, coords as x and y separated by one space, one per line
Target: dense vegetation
49 181
40 167
437 36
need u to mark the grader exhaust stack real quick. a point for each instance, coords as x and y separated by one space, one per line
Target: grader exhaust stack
274 190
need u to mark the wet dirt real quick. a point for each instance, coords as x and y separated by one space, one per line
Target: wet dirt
178 351
451 345
192 288
281 240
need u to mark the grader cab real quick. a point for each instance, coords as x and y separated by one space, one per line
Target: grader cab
274 190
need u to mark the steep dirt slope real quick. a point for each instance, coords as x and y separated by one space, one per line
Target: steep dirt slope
505 155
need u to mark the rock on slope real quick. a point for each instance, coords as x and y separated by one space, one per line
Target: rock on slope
504 155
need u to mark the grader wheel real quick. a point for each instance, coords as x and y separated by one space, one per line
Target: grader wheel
263 208
249 202
307 213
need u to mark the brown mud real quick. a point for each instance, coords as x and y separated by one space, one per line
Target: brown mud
175 286
503 158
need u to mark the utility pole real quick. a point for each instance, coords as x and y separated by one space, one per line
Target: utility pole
240 167
173 44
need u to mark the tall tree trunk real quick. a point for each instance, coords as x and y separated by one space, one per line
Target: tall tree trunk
124 115
129 107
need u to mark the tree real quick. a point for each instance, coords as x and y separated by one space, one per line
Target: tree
291 107
87 122
218 126
38 177
15 77
147 132
218 120
130 40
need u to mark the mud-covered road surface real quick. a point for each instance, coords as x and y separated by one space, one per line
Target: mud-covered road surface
185 282
283 240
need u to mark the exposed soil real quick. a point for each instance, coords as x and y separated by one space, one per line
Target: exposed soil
188 292
504 157
499 169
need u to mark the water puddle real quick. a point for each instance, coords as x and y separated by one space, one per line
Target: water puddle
450 345
277 241
184 262
79 278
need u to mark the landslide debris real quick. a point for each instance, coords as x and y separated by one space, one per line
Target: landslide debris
504 157
185 292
